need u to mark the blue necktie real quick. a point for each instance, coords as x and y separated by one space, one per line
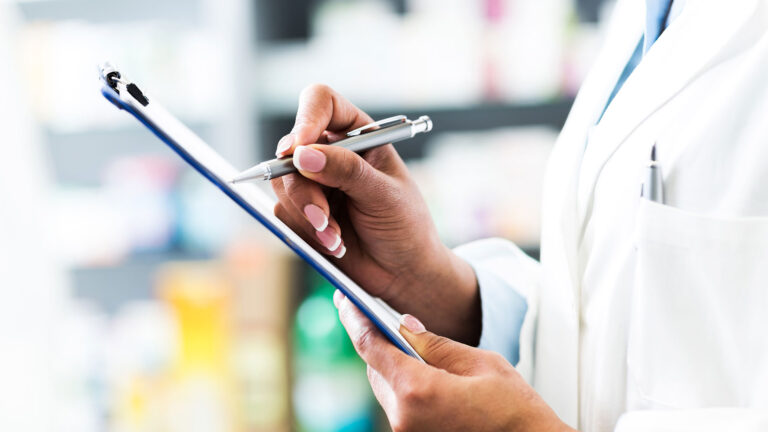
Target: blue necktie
656 15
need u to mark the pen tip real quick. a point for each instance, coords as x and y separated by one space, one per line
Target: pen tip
257 172
653 152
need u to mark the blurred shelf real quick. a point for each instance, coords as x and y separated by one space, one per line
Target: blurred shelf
291 19
79 158
532 251
589 10
110 287
273 125
108 12
283 20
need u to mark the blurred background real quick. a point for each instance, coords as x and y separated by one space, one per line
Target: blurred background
135 296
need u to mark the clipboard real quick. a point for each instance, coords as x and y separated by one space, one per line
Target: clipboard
127 96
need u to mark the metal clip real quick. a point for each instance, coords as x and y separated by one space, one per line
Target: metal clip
381 123
109 74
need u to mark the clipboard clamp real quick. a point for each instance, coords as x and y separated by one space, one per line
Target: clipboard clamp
110 75
112 78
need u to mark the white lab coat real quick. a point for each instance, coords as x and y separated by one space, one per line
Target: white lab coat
642 316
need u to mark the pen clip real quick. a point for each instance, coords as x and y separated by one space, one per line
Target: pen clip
391 121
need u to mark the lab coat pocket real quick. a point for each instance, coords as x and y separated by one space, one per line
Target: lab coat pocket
699 324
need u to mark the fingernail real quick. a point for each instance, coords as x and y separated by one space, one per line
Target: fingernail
329 239
341 252
308 159
284 144
337 298
412 324
316 217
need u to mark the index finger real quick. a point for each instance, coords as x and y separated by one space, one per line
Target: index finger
378 352
321 109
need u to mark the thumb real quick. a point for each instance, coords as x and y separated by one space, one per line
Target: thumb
439 351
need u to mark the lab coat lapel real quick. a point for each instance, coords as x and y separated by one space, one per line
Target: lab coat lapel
556 363
703 35
564 165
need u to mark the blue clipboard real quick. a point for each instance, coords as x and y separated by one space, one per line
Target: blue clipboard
127 96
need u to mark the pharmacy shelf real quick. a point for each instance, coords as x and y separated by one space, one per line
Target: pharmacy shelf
589 10
111 286
79 158
273 125
110 12
533 252
288 20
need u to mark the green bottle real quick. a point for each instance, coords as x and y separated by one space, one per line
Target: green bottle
330 391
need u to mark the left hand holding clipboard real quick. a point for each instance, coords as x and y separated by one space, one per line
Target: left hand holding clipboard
460 389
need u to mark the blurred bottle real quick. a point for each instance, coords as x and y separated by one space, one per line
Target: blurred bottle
493 13
331 390
201 391
261 282
531 47
140 189
138 348
206 220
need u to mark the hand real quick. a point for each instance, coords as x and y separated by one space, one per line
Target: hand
367 212
460 389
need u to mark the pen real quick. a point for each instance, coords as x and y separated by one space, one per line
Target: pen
391 130
653 187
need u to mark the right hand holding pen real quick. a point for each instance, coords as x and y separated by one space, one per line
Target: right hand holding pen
366 211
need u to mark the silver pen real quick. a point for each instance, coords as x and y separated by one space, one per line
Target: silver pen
390 130
653 186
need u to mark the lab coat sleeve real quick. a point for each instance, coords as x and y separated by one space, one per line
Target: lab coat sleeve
508 280
695 420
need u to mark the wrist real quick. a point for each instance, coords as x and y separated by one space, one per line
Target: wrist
467 314
540 418
443 293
